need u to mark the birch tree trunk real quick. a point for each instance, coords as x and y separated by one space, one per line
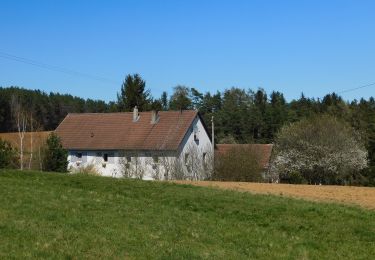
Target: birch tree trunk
21 122
21 126
31 140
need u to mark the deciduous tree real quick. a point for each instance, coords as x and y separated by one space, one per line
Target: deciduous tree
8 155
180 98
320 150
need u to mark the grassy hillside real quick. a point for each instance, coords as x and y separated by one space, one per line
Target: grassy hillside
53 215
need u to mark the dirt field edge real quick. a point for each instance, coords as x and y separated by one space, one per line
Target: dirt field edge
349 195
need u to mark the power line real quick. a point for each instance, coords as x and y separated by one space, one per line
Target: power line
352 89
55 68
99 78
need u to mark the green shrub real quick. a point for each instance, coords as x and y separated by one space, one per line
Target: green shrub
368 177
8 155
238 164
293 178
55 156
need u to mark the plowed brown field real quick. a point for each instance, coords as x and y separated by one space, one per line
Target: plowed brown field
38 139
362 196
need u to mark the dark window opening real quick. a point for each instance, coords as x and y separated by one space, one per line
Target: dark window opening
196 134
155 158
105 157
79 155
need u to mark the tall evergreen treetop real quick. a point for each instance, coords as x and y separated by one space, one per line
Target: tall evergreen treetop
164 100
133 93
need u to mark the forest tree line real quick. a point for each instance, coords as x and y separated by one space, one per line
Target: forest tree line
240 115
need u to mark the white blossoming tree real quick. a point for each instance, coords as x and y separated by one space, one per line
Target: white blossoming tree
318 150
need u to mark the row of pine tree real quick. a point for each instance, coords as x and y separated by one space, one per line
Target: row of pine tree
241 115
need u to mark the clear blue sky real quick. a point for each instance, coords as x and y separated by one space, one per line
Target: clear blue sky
298 46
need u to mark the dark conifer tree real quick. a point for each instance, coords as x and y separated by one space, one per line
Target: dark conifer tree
133 93
164 101
55 155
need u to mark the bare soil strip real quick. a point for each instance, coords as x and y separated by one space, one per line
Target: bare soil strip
362 196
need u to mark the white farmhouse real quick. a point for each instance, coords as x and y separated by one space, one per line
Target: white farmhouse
147 145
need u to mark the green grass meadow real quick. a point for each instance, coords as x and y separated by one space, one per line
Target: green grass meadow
51 215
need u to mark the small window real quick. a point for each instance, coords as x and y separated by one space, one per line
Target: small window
99 157
196 133
155 159
105 157
79 156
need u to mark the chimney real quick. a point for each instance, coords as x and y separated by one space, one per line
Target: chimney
135 114
154 117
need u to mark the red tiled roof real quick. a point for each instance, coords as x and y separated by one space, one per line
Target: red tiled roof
262 150
110 131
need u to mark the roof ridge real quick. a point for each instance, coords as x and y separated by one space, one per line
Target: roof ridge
130 112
